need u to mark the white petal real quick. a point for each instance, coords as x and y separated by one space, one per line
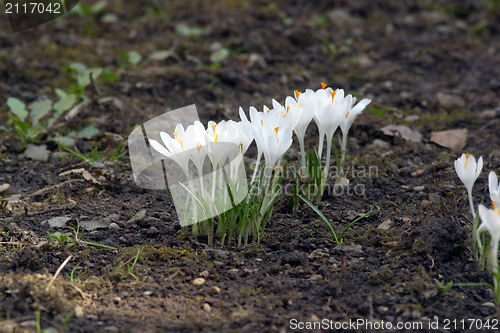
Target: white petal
159 147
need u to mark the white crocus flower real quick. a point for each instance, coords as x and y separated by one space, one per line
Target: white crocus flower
304 106
277 119
220 140
198 156
494 187
468 171
352 112
176 148
490 221
273 142
328 115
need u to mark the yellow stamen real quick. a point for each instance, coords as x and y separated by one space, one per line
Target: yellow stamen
287 109
333 94
466 159
323 85
198 146
180 141
240 147
217 138
347 115
297 93
497 211
261 122
175 133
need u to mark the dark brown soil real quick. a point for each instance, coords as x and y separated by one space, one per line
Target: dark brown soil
401 54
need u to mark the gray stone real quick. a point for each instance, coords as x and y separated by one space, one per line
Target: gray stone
58 222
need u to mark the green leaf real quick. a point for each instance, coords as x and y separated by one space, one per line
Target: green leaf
219 56
187 31
134 57
60 93
64 104
17 107
323 217
39 110
88 132
109 77
84 78
99 6
64 140
78 67
160 55
109 18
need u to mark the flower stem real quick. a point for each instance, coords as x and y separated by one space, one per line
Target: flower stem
257 164
342 153
303 167
478 247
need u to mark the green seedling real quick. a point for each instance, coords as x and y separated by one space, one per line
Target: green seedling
445 288
32 121
92 15
125 269
128 59
338 239
83 77
72 240
95 155
3 204
71 277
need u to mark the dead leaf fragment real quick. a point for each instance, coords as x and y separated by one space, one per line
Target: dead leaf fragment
455 139
404 132
4 187
37 153
85 174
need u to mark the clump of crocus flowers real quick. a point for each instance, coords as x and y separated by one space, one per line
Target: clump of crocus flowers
272 130
488 219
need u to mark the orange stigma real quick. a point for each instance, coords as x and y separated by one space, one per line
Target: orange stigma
276 129
323 85
213 127
262 122
297 93
333 94
347 115
466 159
494 204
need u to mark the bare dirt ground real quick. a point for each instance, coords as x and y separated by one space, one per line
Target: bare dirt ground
427 65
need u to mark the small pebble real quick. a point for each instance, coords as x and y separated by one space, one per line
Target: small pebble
117 300
205 274
199 281
382 309
78 311
207 307
137 217
418 188
153 232
215 290
148 293
114 226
